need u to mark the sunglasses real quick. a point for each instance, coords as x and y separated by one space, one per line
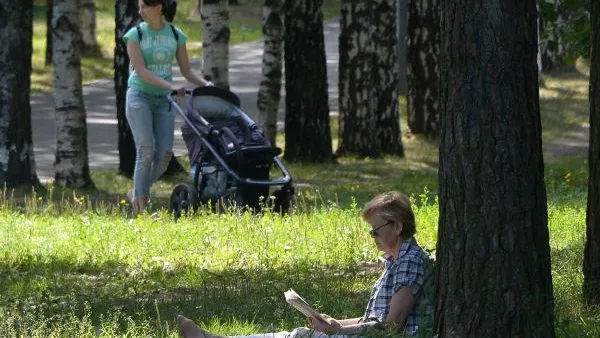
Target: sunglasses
374 232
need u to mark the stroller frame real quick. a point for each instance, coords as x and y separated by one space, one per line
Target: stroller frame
186 196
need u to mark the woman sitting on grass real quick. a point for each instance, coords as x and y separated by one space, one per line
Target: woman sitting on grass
395 296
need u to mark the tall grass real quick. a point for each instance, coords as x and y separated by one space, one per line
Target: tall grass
83 270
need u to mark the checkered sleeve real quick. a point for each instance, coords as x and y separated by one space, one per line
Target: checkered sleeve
410 272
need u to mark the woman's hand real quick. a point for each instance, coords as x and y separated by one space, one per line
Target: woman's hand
331 326
179 89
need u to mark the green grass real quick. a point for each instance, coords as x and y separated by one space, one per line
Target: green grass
72 263
245 25
74 268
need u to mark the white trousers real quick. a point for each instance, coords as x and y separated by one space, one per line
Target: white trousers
301 332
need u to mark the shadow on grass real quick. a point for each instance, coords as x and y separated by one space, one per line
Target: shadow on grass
56 287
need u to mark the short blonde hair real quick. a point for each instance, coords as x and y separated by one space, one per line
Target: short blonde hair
395 206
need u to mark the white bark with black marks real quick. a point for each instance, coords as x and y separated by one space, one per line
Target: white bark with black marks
357 118
423 72
269 92
368 86
71 159
89 41
215 44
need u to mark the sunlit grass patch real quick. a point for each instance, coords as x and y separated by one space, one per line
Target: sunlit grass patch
101 271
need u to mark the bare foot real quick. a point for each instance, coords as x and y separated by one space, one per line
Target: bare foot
188 329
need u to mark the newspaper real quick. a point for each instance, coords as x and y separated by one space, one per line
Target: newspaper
301 305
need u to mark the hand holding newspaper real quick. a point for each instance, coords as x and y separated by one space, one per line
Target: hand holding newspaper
301 305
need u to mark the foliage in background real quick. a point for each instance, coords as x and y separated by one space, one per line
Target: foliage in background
569 21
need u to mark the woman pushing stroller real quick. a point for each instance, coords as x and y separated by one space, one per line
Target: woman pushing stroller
151 47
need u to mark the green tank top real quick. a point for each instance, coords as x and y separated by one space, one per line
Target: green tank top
159 49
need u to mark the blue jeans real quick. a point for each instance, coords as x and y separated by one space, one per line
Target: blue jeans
152 122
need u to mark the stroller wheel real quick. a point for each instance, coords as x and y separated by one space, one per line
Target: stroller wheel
283 199
183 199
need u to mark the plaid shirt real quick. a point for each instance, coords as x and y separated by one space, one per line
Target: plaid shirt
408 270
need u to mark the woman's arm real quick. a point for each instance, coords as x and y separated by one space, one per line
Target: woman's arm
400 306
342 326
184 66
350 321
137 61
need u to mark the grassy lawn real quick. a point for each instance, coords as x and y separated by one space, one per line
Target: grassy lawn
72 270
73 264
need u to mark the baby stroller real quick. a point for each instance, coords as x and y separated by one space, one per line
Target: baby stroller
229 156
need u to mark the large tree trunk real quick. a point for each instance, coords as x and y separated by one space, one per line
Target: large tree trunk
385 78
215 44
356 65
401 34
493 255
126 16
71 163
423 71
17 164
48 57
307 131
89 42
591 261
269 93
368 100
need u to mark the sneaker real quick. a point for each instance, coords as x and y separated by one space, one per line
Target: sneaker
188 329
134 206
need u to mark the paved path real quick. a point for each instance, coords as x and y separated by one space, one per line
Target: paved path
244 77
99 97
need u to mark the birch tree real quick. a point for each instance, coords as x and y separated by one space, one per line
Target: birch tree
385 78
269 92
493 254
423 73
307 130
17 164
89 41
215 44
126 16
591 261
355 80
401 35
48 56
71 159
368 86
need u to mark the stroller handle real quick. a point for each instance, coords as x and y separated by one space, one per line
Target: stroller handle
175 93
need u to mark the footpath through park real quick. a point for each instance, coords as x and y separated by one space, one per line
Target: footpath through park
245 67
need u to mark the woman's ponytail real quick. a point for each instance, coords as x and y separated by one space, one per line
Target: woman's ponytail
169 9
